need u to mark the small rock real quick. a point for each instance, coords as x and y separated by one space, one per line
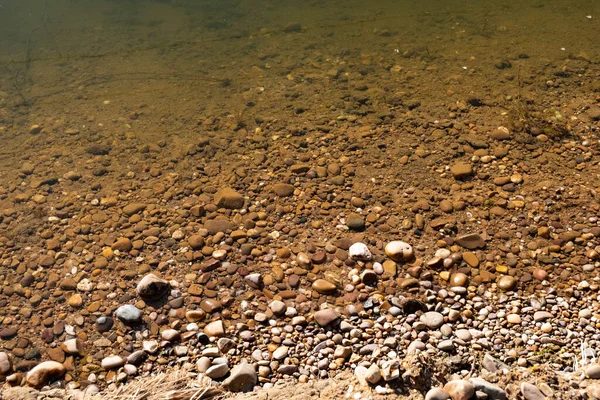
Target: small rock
373 374
500 133
242 379
5 364
228 198
461 170
128 314
170 335
103 324
43 372
359 251
539 316
217 371
513 319
592 371
324 287
326 317
112 362
399 251
494 392
530 392
151 287
507 283
214 328
470 241
280 353
283 189
73 347
437 394
460 389
432 319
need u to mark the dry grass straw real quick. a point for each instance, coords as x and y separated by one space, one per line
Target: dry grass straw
174 385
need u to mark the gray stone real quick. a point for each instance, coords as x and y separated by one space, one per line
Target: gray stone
5 364
493 365
242 379
432 319
494 392
373 374
217 371
280 353
446 345
278 307
128 314
530 392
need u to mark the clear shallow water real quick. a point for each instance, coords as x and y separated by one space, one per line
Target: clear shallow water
70 56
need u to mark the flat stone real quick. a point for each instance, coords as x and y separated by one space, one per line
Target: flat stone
513 319
217 371
73 347
471 259
326 317
281 352
133 208
446 345
470 241
507 283
530 392
122 244
324 287
228 198
112 362
493 365
460 389
214 226
432 319
170 335
461 170
437 394
283 189
494 392
592 371
8 333
243 378
214 328
463 334
151 287
128 314
539 316
210 305
43 372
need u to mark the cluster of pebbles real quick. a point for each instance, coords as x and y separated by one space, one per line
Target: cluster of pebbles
434 254
383 311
